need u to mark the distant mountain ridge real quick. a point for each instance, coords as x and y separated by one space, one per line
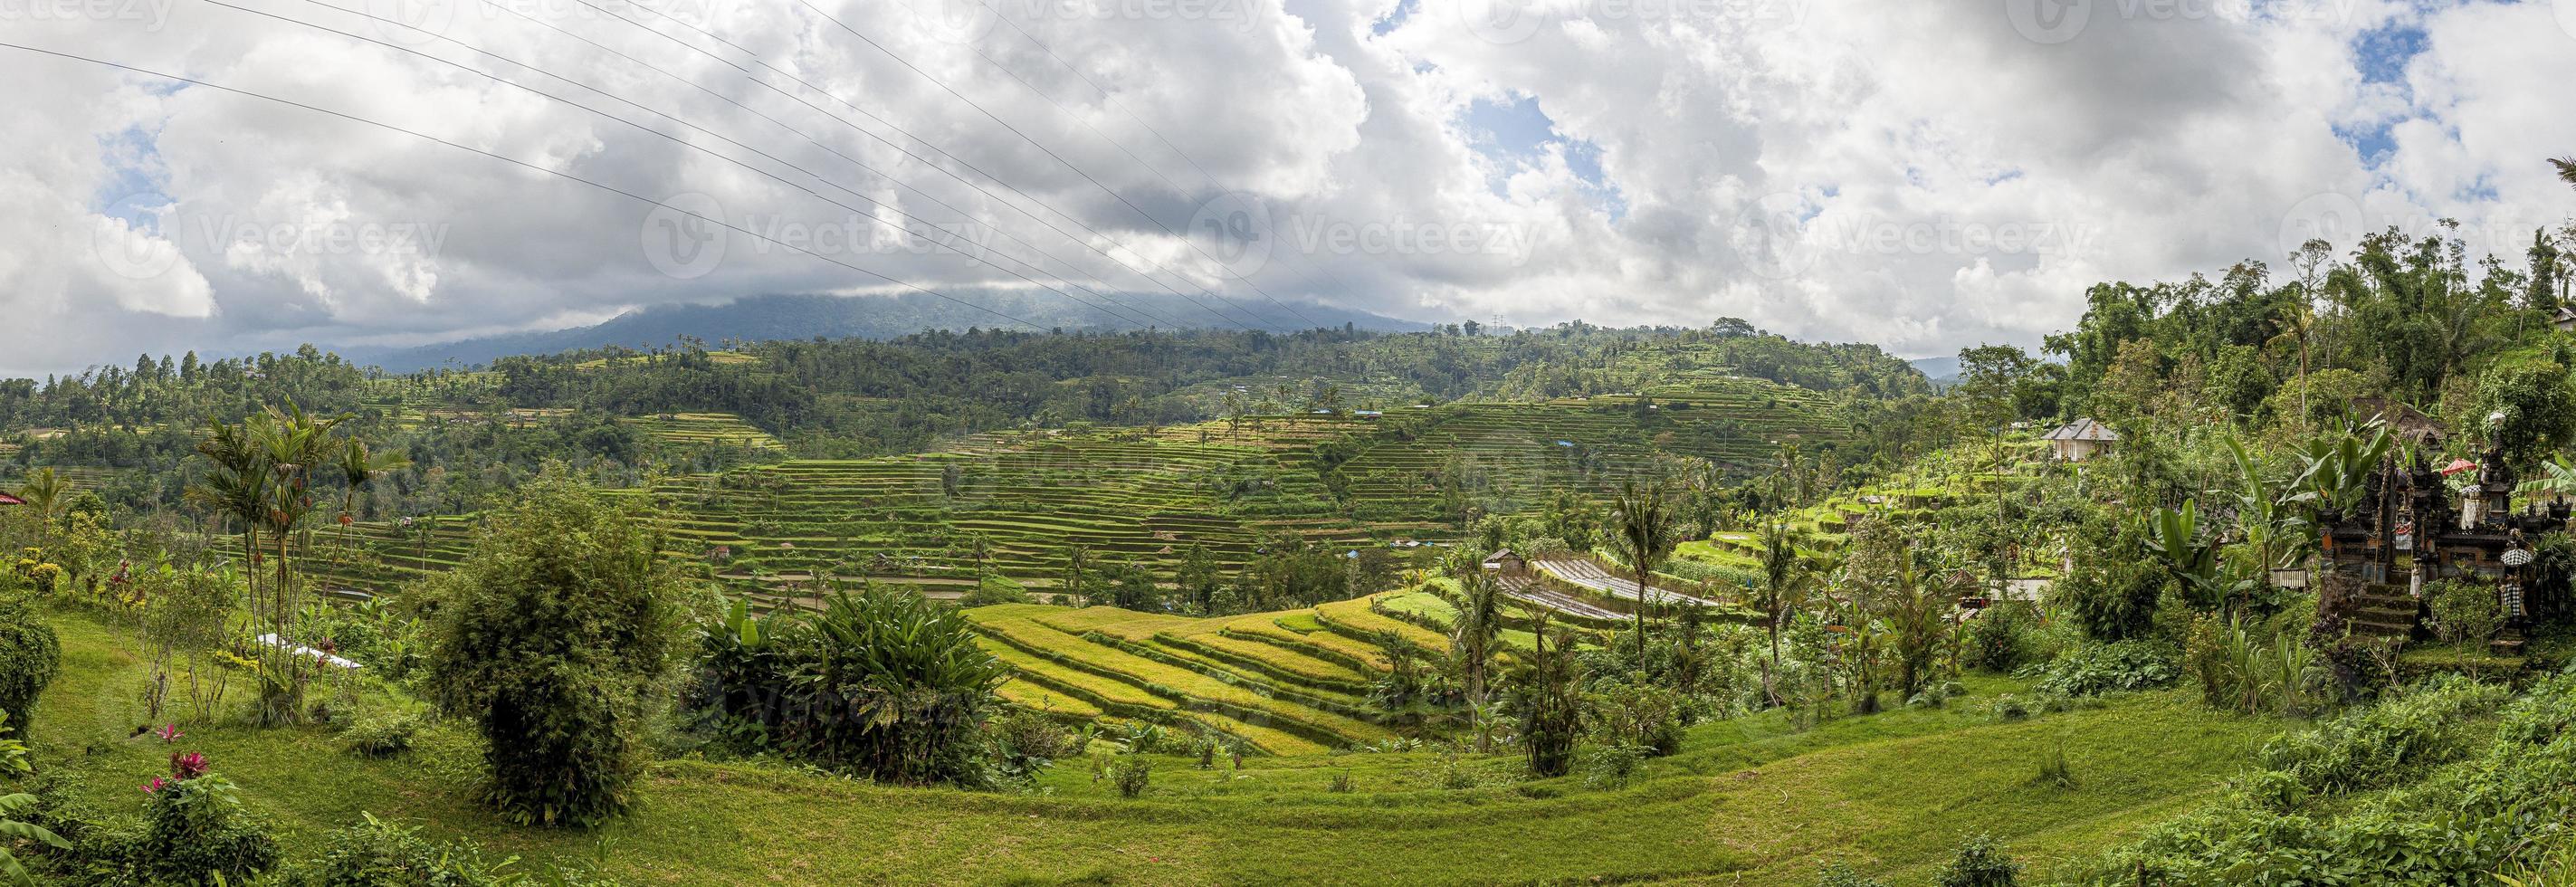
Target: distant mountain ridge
774 317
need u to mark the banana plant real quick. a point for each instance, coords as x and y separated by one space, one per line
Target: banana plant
2558 482
2335 470
2174 539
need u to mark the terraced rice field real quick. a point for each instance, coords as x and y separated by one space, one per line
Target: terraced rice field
1593 576
1519 454
1279 690
701 429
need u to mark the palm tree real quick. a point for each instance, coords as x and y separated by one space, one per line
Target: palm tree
360 468
1785 583
44 490
237 487
1645 525
1479 601
2566 169
1077 562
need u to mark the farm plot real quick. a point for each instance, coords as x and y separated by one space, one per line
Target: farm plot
1593 576
1124 677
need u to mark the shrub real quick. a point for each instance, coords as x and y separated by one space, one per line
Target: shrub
2465 611
2096 669
1131 774
549 637
1840 875
376 853
993 590
194 831
2000 637
2392 741
30 656
1638 713
1341 783
883 684
1034 735
382 735
2011 708
2113 590
1611 766
1980 863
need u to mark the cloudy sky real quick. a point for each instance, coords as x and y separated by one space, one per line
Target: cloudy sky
1920 175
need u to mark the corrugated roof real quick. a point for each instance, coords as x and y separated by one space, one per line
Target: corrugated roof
2083 429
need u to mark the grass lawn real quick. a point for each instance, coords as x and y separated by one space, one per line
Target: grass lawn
1746 802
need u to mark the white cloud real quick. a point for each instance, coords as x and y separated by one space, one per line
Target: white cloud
1948 179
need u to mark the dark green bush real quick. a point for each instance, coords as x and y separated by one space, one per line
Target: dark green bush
2113 589
2465 612
2384 744
376 853
382 735
2000 637
30 656
884 684
2095 669
1840 875
548 638
1980 863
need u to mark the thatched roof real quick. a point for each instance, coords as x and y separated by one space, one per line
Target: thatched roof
2403 420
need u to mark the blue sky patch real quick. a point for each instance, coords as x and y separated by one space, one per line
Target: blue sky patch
1517 133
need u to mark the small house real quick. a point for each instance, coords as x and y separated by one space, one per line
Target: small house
2081 439
1506 562
2406 422
2565 321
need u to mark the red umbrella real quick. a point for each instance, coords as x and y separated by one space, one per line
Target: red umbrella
2457 466
6 499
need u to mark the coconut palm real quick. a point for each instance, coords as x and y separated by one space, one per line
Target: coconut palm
1786 581
44 491
360 467
1479 601
1644 525
236 487
2566 169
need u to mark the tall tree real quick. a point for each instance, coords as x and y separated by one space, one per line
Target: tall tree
1645 528
1785 583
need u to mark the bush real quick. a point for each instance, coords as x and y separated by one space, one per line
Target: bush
2000 637
2113 590
549 637
1840 875
1131 774
2393 741
1610 766
194 831
382 735
1980 863
2465 612
2096 669
380 854
30 656
883 684
994 590
1638 713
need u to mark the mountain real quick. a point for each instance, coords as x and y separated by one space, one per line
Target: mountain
771 317
1943 371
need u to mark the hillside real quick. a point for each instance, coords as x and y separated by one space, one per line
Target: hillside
1747 801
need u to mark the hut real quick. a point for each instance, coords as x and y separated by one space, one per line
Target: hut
2081 439
1506 562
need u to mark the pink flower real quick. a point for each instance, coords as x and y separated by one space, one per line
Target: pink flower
188 766
169 734
155 785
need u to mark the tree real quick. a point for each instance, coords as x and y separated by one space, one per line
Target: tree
1785 583
2566 169
1917 609
1199 579
1644 526
1547 699
359 468
1479 601
549 638
2537 406
1077 572
44 492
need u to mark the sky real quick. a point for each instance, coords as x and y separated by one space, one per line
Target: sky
1924 176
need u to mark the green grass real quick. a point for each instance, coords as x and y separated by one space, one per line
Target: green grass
1746 802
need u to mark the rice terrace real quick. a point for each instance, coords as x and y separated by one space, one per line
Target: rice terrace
455 443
